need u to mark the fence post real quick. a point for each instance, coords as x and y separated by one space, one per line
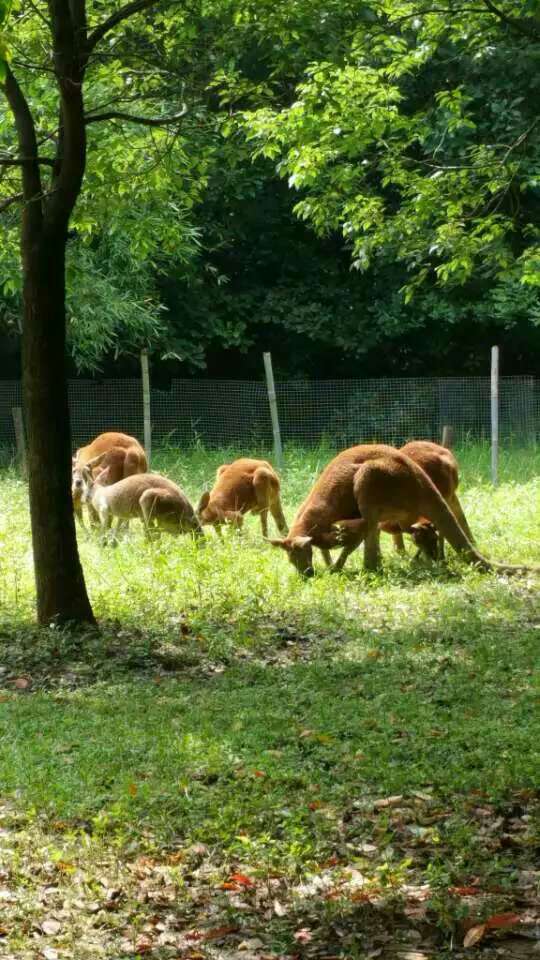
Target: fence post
495 415
448 436
20 441
270 386
145 371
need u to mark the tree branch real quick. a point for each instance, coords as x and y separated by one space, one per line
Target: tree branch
526 27
71 149
136 6
133 118
26 135
21 161
4 204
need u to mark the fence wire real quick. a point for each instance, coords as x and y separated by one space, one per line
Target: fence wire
340 412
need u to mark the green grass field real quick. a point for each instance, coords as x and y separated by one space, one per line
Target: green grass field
243 764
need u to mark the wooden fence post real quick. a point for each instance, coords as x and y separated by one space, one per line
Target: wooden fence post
270 386
495 415
145 371
448 437
20 440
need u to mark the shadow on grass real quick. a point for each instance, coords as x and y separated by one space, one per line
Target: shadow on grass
353 772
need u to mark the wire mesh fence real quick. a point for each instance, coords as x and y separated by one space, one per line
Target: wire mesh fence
339 412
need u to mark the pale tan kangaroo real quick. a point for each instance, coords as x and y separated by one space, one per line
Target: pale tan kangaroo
244 486
442 468
122 454
156 500
361 488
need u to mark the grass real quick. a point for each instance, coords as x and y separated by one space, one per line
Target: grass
243 764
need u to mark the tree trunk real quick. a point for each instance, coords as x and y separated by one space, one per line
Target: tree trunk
61 590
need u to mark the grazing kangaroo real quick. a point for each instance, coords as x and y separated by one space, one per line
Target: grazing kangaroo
442 468
361 488
122 454
242 487
149 497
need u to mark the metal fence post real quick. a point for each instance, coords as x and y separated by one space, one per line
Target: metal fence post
270 386
448 437
20 440
495 415
145 371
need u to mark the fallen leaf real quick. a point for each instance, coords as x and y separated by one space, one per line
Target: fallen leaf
143 944
259 773
474 935
252 944
132 789
279 909
388 802
217 933
303 935
174 858
49 953
21 683
51 927
3 931
500 920
465 891
241 879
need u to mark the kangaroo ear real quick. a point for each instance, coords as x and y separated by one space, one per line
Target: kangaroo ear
96 460
300 542
278 542
102 476
422 525
203 502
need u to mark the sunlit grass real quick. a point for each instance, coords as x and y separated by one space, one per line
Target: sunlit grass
227 702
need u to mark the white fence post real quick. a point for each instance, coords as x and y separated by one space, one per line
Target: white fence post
270 386
447 437
495 415
145 371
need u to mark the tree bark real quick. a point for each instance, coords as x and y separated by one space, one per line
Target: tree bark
61 590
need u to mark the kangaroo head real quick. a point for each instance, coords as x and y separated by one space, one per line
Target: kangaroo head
425 537
299 551
76 481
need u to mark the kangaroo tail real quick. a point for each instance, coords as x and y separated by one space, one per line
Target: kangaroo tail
440 514
457 510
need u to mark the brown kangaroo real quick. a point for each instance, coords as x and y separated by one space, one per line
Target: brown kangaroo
241 487
154 499
361 488
122 454
442 468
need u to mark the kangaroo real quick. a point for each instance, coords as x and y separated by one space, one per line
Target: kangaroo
241 487
149 497
361 488
442 468
121 453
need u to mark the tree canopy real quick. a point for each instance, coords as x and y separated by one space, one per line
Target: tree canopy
348 175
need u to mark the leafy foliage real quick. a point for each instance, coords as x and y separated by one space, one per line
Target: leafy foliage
414 146
407 141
